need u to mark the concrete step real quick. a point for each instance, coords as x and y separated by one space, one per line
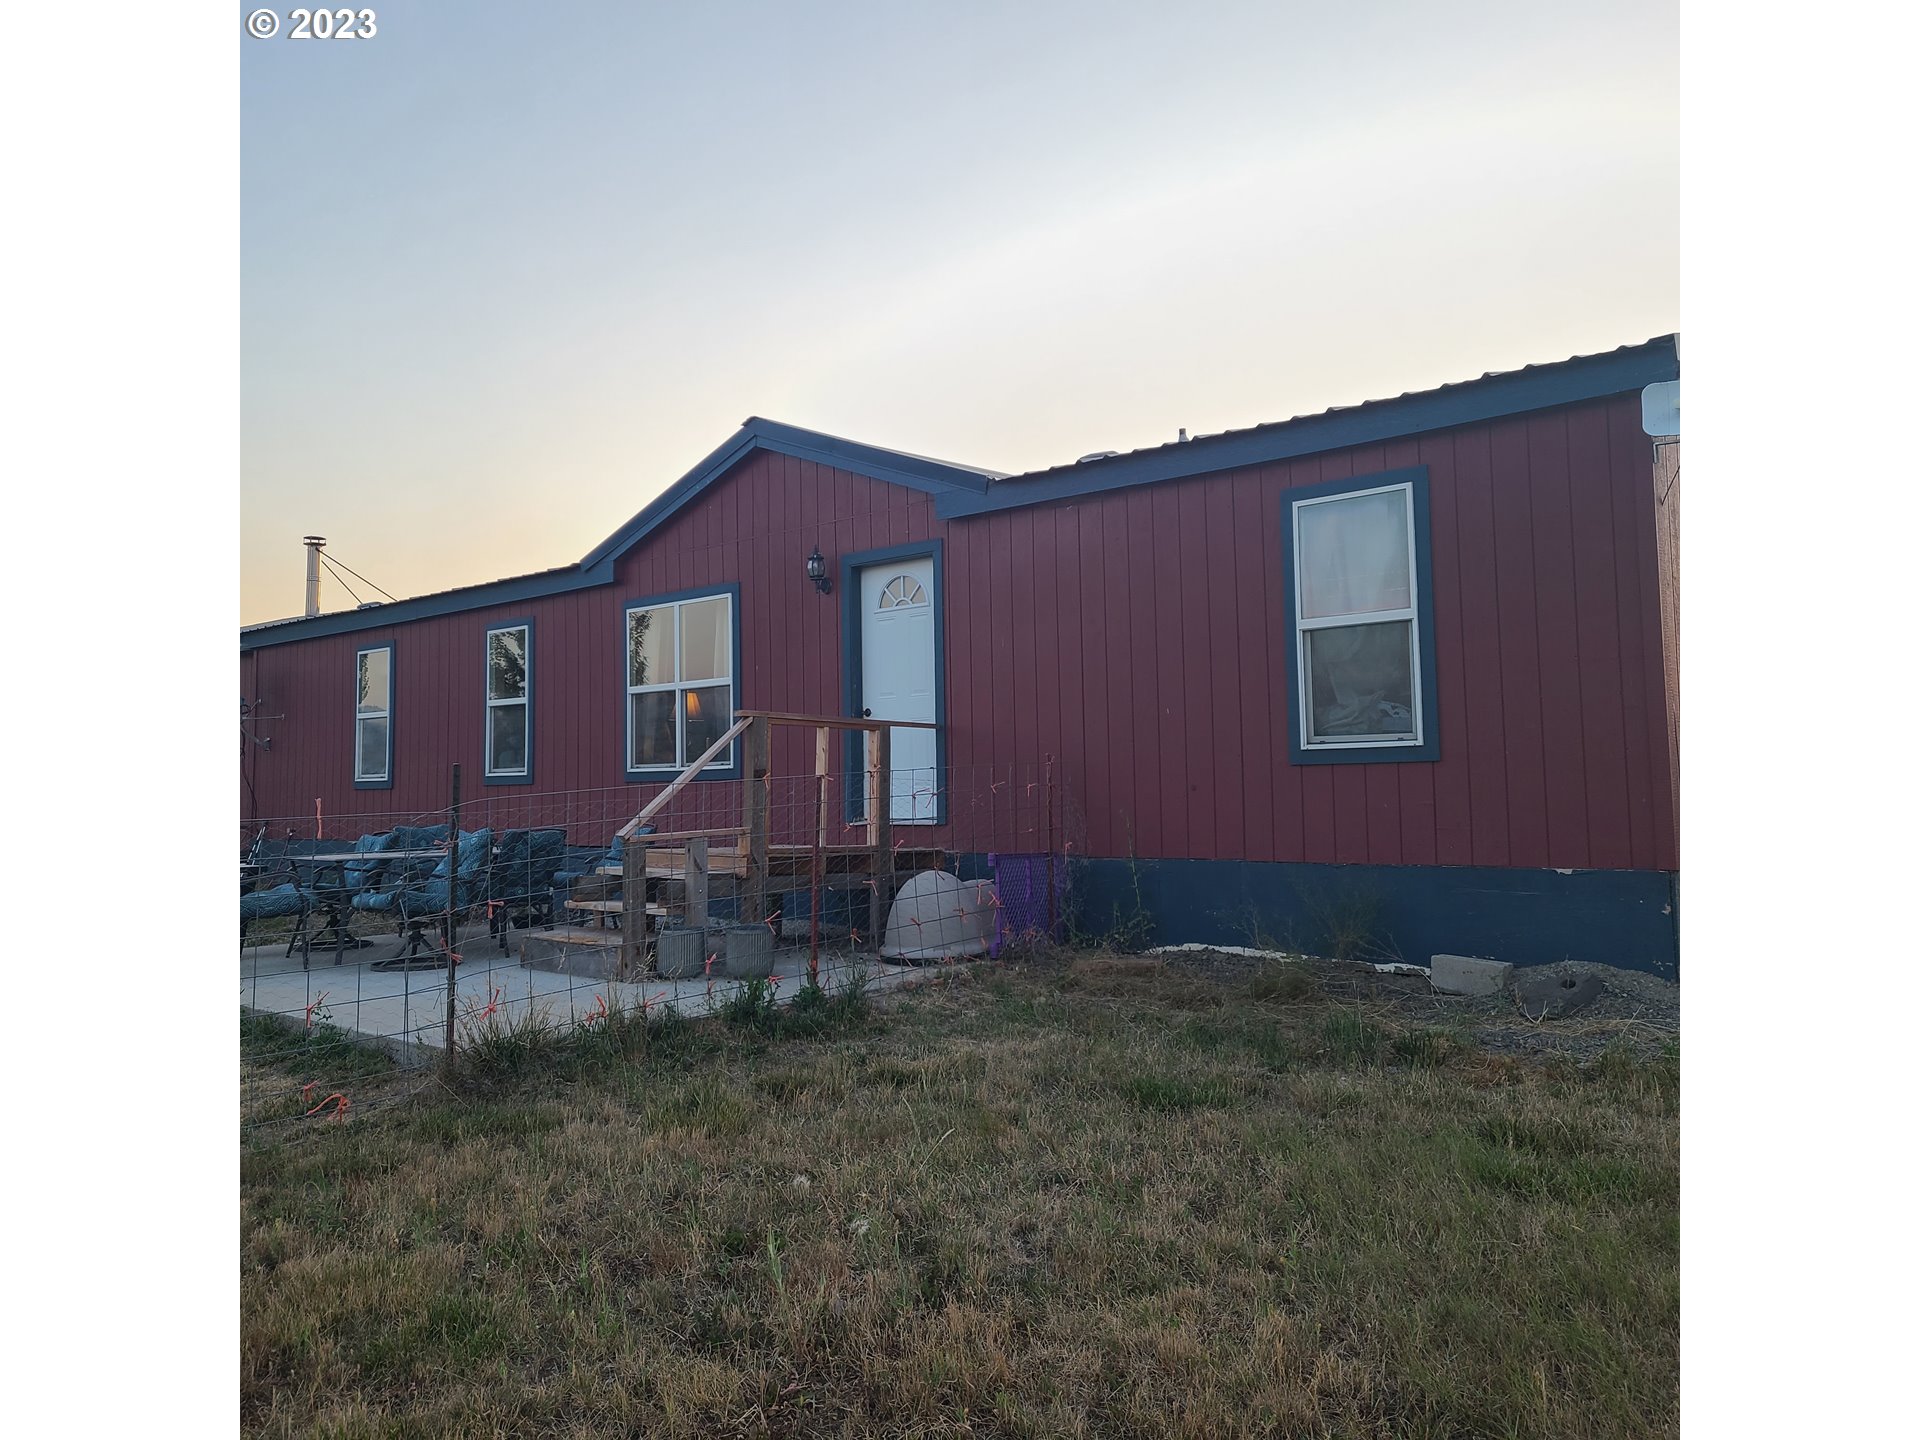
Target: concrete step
573 950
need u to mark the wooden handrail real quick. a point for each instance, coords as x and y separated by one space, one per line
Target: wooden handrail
680 837
654 805
755 770
838 722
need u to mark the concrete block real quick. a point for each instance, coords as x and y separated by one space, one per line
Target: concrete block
1552 997
1468 975
569 952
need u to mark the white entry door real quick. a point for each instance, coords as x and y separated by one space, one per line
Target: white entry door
898 676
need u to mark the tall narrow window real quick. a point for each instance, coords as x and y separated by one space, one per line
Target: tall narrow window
1361 630
373 717
509 706
679 682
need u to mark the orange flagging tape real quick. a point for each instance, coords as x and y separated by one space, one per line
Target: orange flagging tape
340 1110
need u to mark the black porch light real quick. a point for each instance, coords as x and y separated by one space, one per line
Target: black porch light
817 572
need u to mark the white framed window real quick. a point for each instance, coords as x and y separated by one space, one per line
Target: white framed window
679 681
373 716
509 705
1356 618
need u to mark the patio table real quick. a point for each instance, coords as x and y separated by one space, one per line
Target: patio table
338 904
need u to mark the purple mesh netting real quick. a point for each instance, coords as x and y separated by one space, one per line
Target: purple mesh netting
1026 911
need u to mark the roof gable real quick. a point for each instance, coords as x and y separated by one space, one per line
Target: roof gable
934 477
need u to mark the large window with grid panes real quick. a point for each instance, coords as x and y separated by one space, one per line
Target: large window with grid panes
680 681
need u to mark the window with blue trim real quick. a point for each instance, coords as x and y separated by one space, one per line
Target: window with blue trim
373 716
508 732
1361 631
679 682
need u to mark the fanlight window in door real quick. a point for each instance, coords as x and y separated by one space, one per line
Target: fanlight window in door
902 590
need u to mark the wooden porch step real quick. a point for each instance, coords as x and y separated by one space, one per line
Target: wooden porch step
611 907
673 865
580 935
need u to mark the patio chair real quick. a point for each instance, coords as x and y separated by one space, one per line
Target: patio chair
380 879
520 881
332 889
272 902
457 883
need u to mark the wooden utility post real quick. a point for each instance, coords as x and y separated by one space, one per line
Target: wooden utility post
453 905
822 754
633 907
696 873
759 760
880 826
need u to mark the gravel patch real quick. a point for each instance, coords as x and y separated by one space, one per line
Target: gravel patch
1638 1011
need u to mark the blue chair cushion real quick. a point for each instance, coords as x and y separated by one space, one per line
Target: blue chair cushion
471 853
546 851
416 837
288 899
362 873
525 864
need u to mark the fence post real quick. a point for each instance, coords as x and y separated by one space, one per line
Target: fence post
453 904
633 907
822 750
880 826
759 759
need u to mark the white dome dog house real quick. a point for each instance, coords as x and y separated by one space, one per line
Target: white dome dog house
937 916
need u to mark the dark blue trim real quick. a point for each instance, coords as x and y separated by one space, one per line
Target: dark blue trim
1429 747
393 695
1627 918
662 774
931 477
1537 387
487 777
851 678
426 607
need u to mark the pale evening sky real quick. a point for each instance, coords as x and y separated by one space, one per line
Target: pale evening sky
509 269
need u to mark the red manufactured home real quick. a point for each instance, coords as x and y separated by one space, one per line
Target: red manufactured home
1405 656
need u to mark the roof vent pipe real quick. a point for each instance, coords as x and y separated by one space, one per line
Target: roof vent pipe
314 544
1183 434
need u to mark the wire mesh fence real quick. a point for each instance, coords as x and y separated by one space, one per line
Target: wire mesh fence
425 932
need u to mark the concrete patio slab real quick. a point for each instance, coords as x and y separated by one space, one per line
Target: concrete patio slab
406 1010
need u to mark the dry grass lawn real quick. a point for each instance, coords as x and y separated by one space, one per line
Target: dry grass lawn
1091 1197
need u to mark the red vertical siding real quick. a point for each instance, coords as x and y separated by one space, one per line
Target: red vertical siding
1519 634
1563 742
1597 611
1289 811
1449 791
1138 636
